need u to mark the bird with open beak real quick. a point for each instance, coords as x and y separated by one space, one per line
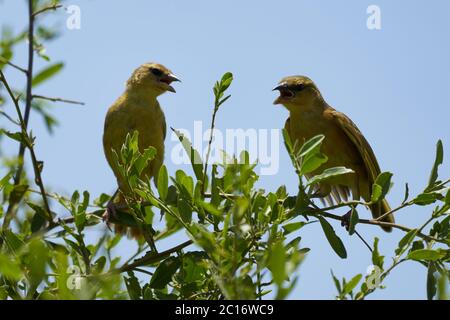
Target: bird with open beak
137 109
344 144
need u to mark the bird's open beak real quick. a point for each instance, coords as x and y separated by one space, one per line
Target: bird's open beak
285 93
168 79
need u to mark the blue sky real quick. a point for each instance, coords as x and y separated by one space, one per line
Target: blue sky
392 82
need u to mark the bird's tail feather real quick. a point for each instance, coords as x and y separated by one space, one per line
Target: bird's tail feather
130 232
380 208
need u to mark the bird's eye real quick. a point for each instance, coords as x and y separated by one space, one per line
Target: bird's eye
156 72
298 87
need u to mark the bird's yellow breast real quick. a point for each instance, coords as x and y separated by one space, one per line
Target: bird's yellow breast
124 117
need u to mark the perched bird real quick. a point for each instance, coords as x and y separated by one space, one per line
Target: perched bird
137 109
344 144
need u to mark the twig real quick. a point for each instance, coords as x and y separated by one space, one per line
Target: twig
51 7
364 241
3 60
403 205
143 271
314 212
9 118
36 96
208 152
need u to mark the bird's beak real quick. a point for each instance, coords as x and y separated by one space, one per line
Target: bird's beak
280 87
168 79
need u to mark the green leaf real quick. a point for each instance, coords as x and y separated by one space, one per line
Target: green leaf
311 146
211 209
381 186
142 161
18 136
196 160
377 259
277 263
336 283
185 210
447 198
312 162
133 287
427 254
164 272
333 239
163 182
437 162
102 200
5 180
193 269
9 268
431 281
18 193
354 219
349 286
226 80
329 173
291 227
405 198
38 220
287 141
405 242
13 242
47 73
99 265
426 198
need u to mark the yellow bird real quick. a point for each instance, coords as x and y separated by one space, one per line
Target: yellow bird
138 109
344 144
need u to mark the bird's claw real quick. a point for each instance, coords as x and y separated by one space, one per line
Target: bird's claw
110 211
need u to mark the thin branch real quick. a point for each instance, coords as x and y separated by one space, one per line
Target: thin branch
403 205
143 271
364 241
208 152
4 60
36 96
9 118
34 161
45 9
314 212
12 206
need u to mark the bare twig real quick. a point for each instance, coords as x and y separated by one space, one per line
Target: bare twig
3 60
48 8
9 117
313 212
208 152
403 205
36 96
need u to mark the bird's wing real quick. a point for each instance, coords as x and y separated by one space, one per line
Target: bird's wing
361 144
287 125
164 127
